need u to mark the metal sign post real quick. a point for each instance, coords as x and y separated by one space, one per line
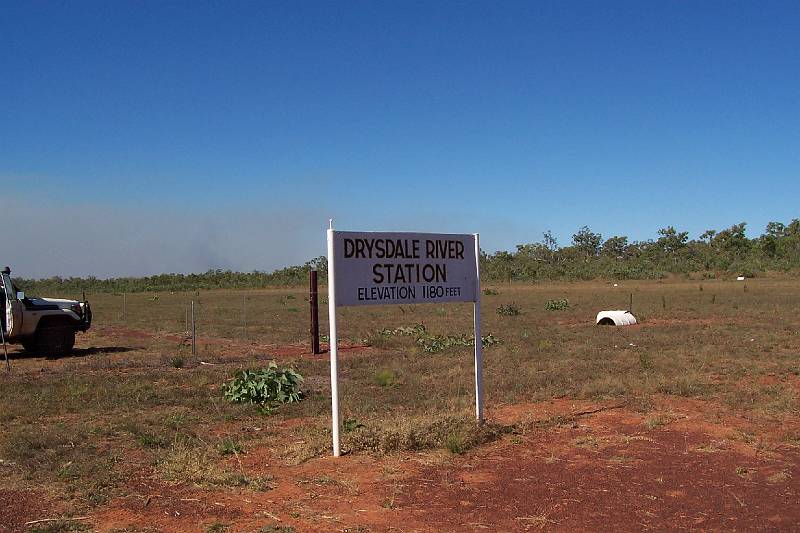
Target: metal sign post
333 343
367 268
476 307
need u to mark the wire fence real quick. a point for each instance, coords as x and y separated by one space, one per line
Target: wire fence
253 316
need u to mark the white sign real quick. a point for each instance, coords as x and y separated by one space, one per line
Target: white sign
394 268
397 268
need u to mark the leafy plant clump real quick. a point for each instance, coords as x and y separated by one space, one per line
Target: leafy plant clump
351 424
406 331
490 292
435 343
265 387
508 310
557 305
439 343
386 378
229 447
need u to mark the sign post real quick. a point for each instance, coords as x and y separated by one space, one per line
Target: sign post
476 311
366 268
334 341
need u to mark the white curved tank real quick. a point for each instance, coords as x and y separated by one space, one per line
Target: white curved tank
616 318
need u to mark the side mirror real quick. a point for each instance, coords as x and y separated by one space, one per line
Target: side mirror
20 295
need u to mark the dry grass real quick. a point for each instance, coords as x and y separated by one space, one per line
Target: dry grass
86 421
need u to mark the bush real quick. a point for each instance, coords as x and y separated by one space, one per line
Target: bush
455 443
557 305
407 331
508 310
386 378
439 343
266 387
229 447
431 343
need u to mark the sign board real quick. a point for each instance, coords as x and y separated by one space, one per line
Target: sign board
367 268
404 268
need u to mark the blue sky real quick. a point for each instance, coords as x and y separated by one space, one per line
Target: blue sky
146 137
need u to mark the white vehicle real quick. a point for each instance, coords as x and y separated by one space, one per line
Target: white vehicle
44 326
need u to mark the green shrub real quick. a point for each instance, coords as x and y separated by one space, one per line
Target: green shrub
408 331
229 447
385 378
557 305
351 424
455 443
508 310
150 440
266 387
439 343
431 343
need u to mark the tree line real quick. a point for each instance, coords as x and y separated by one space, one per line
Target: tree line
211 279
588 256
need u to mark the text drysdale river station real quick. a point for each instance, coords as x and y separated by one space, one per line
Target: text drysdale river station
405 268
394 272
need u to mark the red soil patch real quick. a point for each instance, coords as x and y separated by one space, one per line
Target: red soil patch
607 471
580 466
20 506
324 494
657 481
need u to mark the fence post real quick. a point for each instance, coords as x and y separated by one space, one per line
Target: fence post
314 303
194 332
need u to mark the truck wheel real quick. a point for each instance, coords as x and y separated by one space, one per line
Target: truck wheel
29 346
55 341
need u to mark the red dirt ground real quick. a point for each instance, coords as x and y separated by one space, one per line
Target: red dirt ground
686 464
601 468
20 505
608 472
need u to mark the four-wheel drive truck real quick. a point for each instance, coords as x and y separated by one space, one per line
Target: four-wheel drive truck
44 326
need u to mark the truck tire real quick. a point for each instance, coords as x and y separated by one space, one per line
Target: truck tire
55 341
29 346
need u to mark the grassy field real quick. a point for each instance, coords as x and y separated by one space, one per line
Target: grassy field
134 408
